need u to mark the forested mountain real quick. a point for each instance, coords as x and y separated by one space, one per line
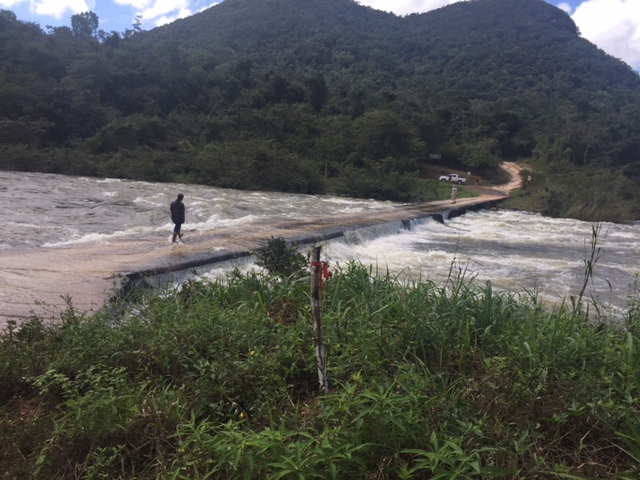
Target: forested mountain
328 95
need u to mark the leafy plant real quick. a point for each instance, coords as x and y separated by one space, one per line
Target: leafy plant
281 259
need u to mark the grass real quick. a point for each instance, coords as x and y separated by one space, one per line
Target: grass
218 380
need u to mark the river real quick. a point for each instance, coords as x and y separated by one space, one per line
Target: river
516 251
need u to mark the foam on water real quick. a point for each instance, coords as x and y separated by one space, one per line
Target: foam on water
156 201
103 180
219 272
363 235
515 251
106 238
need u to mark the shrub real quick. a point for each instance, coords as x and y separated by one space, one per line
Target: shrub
280 259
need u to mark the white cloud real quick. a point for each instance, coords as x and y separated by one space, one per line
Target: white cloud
138 4
56 8
404 7
9 3
163 7
164 19
613 25
209 5
159 12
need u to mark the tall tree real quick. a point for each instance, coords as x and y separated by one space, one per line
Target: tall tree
85 25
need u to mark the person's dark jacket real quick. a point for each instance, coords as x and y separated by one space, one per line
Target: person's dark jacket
177 211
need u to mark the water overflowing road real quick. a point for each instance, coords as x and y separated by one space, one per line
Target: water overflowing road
516 251
57 210
69 235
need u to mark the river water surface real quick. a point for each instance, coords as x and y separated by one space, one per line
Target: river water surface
516 251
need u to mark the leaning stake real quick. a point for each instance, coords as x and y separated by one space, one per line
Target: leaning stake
317 272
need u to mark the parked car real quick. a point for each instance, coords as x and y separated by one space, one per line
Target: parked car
453 177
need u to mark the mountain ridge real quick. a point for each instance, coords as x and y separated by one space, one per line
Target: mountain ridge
310 96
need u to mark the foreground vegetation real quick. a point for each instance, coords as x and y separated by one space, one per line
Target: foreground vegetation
218 380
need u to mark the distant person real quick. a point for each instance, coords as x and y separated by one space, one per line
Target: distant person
454 194
177 216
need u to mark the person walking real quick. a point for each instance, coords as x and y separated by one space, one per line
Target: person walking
177 216
454 194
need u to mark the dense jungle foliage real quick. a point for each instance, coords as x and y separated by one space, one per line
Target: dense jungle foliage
329 96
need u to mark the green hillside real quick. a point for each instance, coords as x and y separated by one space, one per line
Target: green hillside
330 96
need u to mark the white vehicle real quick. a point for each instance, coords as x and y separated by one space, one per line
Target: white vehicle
453 177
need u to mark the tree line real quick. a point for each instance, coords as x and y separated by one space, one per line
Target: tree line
328 96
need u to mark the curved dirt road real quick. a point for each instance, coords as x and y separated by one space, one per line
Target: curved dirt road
515 182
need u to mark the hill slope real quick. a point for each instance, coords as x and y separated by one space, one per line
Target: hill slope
310 96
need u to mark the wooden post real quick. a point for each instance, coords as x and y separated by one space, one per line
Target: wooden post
318 340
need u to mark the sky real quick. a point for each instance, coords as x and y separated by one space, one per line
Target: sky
613 25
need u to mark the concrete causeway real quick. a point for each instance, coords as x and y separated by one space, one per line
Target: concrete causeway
37 282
